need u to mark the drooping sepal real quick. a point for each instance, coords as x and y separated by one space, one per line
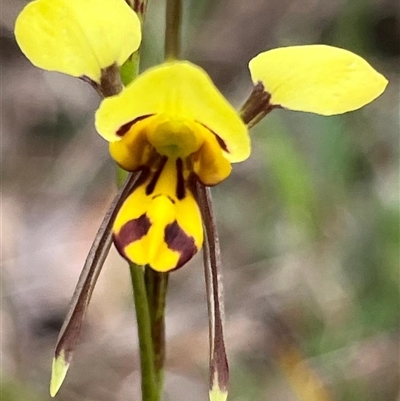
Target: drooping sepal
71 328
78 37
317 78
219 368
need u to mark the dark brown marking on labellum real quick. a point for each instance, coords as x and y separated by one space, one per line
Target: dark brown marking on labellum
168 197
180 185
126 127
178 240
152 184
220 141
130 232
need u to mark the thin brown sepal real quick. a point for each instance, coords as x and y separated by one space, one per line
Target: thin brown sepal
219 369
69 333
257 106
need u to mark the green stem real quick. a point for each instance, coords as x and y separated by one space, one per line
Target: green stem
149 287
150 390
156 287
156 283
130 69
173 24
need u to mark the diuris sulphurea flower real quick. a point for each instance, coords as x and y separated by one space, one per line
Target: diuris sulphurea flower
178 135
171 123
181 130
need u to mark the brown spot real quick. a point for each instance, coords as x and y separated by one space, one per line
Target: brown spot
130 232
177 240
152 184
167 196
220 141
126 127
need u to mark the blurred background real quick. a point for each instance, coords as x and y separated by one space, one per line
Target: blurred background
309 225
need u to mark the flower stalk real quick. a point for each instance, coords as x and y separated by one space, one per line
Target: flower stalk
173 24
156 287
130 69
156 283
150 388
149 288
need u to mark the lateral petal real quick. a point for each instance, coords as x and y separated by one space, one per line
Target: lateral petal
134 151
317 78
209 162
78 37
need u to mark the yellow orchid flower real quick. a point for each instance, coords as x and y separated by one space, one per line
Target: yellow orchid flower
172 124
78 37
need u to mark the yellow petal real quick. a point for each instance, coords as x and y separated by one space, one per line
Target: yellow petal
179 90
209 162
317 78
78 37
134 151
158 228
